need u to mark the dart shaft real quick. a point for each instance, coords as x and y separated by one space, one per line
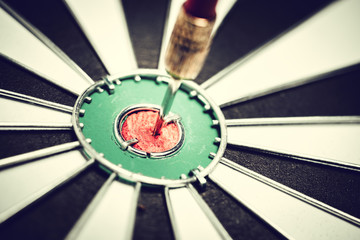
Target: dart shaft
188 47
166 104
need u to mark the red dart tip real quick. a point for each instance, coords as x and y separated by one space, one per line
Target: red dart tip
201 8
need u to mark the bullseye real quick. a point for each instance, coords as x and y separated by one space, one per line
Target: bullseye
140 125
134 127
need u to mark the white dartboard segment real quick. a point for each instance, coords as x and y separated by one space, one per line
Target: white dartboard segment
22 184
292 217
190 216
111 214
37 154
22 46
14 111
333 140
323 44
104 24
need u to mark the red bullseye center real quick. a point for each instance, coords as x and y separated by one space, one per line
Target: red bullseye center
140 125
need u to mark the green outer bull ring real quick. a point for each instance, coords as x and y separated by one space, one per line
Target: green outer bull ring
159 77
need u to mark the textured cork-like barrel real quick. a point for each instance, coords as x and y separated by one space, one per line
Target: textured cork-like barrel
189 45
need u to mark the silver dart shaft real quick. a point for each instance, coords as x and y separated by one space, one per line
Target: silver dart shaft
166 104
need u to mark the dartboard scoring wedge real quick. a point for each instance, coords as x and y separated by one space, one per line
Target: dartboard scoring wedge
102 107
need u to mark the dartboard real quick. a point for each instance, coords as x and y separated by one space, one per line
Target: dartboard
268 134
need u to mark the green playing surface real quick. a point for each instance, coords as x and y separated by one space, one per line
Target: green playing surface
99 120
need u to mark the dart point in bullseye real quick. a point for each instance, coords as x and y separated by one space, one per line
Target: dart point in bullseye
187 50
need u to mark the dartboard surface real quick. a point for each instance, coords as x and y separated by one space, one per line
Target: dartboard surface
255 188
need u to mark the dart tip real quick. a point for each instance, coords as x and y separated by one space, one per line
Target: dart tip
158 125
166 104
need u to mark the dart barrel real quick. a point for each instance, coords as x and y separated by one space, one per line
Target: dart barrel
189 45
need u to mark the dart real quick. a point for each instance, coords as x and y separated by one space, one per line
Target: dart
187 50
